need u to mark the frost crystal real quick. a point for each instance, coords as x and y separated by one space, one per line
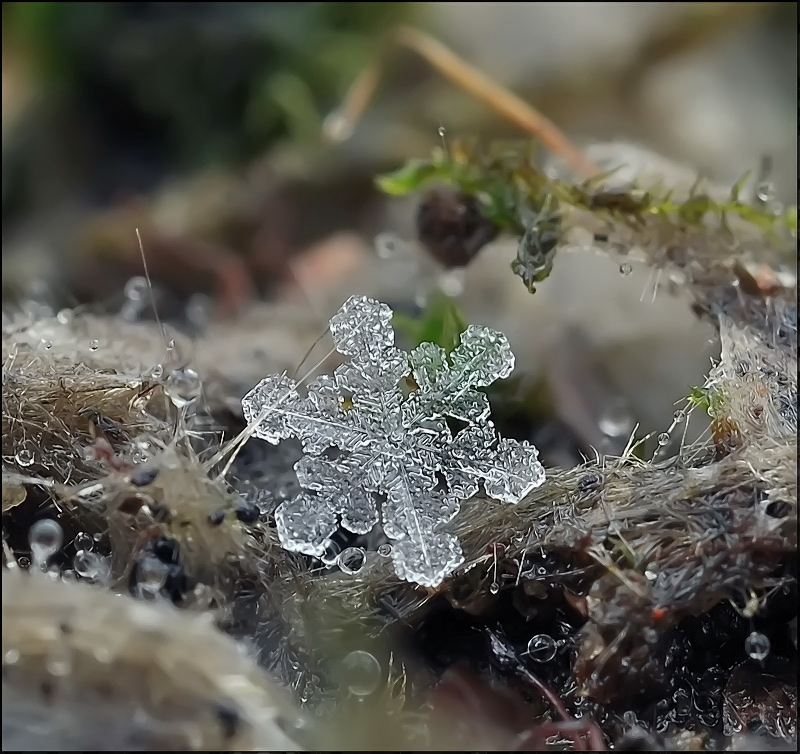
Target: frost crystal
380 444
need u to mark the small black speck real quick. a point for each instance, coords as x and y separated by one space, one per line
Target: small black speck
247 513
143 477
65 628
589 482
216 518
229 719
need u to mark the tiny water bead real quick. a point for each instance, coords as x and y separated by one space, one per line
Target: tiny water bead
45 539
351 560
94 345
151 576
663 439
451 282
136 289
83 541
24 457
679 416
616 419
183 386
361 673
330 552
65 317
87 564
494 587
625 268
542 648
757 646
385 550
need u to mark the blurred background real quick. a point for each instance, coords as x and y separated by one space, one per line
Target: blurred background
200 125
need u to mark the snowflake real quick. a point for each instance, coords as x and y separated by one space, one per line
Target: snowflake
395 438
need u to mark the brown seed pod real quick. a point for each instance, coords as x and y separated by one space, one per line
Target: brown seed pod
451 226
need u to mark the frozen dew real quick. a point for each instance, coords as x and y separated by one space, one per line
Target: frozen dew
24 457
757 646
541 648
663 439
83 541
616 419
183 386
361 673
45 539
625 269
351 560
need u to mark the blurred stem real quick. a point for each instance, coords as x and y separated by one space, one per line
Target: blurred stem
339 126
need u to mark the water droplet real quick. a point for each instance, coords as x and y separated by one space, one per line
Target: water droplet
83 541
663 439
385 550
679 416
387 245
11 657
47 345
65 317
151 575
157 372
330 552
542 648
494 587
765 192
87 564
616 420
24 457
94 345
351 560
183 386
69 575
59 660
625 269
136 289
337 127
757 646
198 311
362 673
442 131
23 562
451 282
45 539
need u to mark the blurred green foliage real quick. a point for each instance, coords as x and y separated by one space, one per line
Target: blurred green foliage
222 80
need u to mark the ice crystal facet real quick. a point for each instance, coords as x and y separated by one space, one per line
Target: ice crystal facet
378 448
